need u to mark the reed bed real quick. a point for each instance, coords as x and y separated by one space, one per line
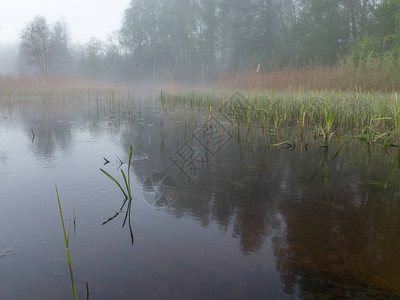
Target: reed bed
371 76
369 117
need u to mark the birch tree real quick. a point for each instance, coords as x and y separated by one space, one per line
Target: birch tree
36 43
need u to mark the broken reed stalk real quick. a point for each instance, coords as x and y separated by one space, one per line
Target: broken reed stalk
66 239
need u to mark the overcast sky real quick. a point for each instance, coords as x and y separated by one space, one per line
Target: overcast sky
85 18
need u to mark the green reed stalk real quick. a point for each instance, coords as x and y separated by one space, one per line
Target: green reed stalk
129 173
66 239
117 183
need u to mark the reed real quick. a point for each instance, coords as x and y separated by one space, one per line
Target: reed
396 114
373 74
66 239
127 181
325 119
369 116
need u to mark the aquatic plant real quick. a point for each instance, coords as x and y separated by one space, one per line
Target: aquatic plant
325 121
66 239
325 115
396 114
128 193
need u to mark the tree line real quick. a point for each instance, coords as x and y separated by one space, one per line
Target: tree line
200 39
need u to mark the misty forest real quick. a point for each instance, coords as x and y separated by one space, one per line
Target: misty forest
207 149
205 39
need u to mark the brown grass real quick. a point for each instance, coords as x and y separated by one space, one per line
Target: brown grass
371 77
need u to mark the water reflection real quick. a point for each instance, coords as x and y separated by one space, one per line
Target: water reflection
323 164
127 216
159 190
323 232
346 250
335 237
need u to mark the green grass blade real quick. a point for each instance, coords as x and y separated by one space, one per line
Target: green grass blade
127 184
72 275
129 173
278 144
66 239
338 136
116 182
62 219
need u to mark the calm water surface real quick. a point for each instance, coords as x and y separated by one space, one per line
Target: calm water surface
248 222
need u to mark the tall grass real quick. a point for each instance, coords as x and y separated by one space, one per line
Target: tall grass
332 114
372 75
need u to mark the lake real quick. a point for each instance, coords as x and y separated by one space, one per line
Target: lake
220 210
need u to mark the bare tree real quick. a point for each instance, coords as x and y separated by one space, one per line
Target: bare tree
36 43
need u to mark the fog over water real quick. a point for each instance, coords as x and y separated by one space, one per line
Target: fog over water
201 149
190 40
